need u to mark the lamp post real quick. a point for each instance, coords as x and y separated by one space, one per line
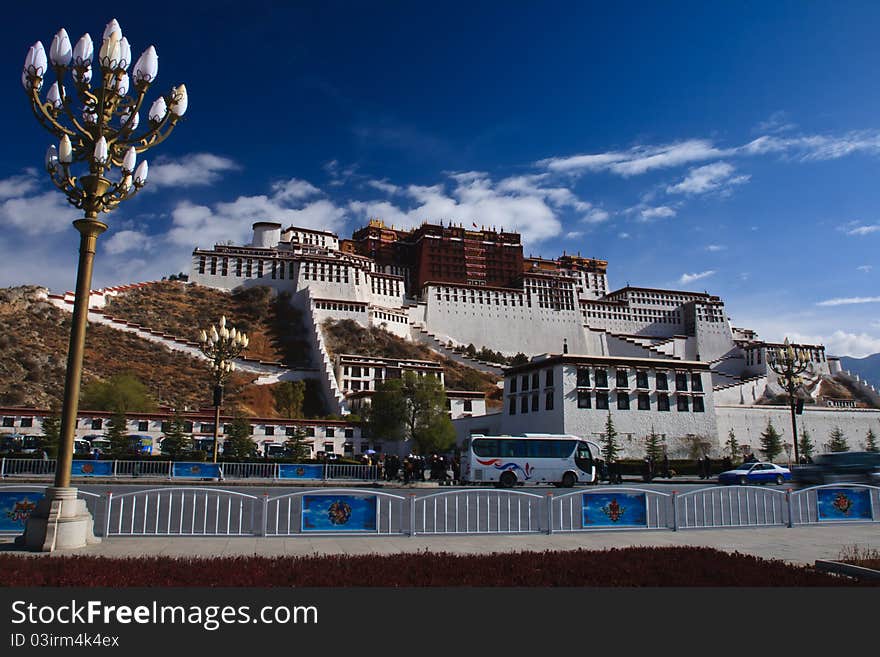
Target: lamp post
221 347
789 363
95 126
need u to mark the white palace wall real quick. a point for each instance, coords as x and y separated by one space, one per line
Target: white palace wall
510 328
748 422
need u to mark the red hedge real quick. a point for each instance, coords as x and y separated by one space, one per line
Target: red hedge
627 567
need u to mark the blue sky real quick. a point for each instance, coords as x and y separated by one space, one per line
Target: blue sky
729 149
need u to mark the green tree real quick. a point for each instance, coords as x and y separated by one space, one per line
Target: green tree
806 448
608 445
117 434
176 443
838 441
51 437
519 359
289 397
732 445
871 442
121 393
238 443
387 414
296 446
654 446
771 442
428 423
411 408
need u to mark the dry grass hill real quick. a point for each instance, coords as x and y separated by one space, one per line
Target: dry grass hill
34 336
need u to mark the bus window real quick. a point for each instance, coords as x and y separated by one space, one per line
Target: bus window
484 447
564 448
514 448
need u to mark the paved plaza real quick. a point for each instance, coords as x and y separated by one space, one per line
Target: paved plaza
802 545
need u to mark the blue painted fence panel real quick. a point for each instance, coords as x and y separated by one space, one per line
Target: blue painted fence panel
195 470
91 469
300 471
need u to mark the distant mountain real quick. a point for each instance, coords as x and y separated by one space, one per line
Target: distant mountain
868 367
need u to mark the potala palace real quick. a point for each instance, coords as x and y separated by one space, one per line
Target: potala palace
666 360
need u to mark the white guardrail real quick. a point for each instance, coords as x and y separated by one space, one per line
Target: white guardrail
204 511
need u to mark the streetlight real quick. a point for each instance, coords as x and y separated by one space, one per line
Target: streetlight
789 363
221 346
95 127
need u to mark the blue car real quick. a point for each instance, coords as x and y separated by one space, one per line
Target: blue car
755 473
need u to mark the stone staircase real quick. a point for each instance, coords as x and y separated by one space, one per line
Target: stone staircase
420 335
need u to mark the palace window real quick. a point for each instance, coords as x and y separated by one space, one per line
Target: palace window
535 408
662 402
644 401
698 405
583 377
696 382
681 382
524 404
683 404
549 401
623 401
602 400
641 379
662 381
584 399
601 378
622 379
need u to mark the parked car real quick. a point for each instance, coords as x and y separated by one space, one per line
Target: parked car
760 472
855 467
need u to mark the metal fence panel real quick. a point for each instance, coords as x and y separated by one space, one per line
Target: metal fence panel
805 504
182 512
144 468
33 467
249 470
347 471
284 513
567 511
731 506
475 512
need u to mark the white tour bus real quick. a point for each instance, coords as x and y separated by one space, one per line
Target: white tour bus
531 458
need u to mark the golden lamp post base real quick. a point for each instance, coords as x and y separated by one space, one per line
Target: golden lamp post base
61 521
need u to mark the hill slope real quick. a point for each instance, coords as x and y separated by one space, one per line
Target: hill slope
34 337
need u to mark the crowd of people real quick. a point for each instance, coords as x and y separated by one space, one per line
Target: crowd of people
413 467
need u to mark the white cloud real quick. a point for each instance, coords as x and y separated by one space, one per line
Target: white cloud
384 186
194 170
596 216
863 230
124 241
865 268
636 160
574 234
661 212
36 215
520 204
714 248
641 159
623 236
294 190
18 186
777 122
717 176
690 278
841 343
848 301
